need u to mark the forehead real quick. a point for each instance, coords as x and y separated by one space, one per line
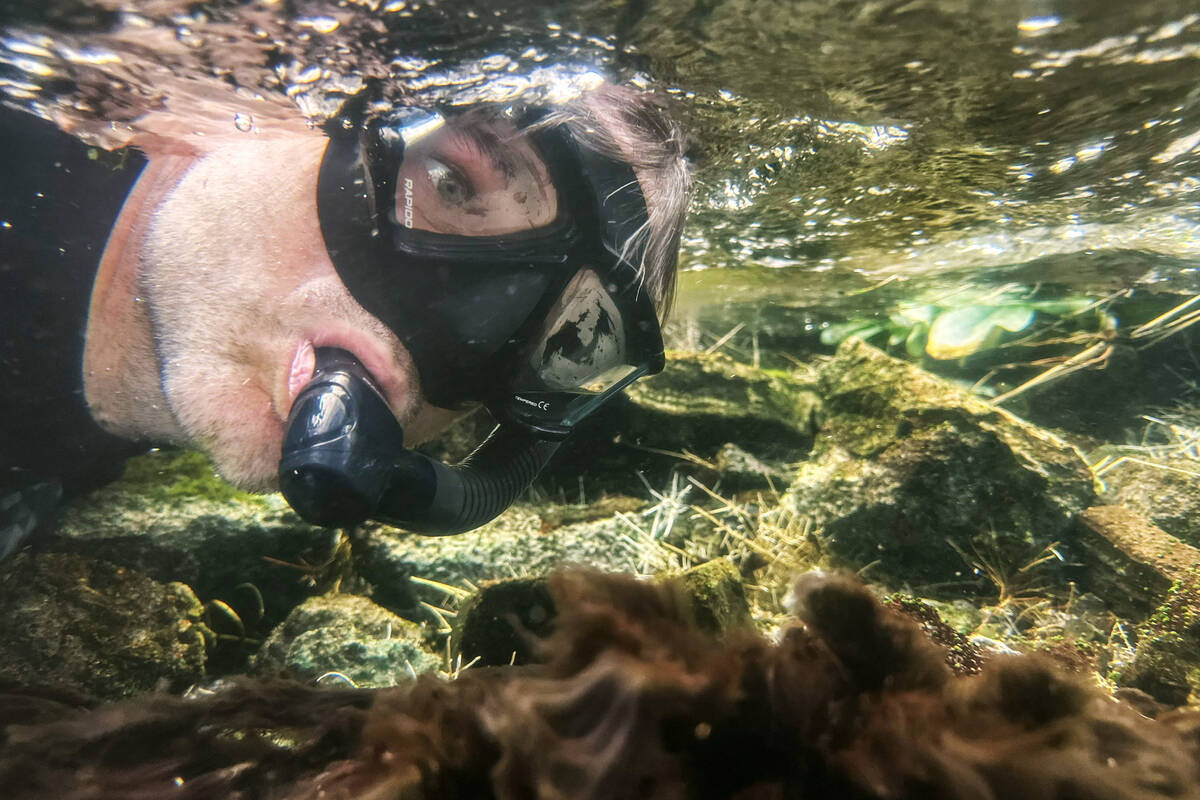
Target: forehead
489 134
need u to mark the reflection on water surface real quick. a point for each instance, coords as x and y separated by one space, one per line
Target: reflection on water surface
856 139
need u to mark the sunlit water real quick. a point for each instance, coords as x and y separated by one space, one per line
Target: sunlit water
836 144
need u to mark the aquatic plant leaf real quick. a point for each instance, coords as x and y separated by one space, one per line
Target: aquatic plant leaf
908 316
1061 308
962 331
914 345
840 331
959 332
1014 318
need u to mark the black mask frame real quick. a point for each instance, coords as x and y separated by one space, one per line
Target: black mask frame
476 313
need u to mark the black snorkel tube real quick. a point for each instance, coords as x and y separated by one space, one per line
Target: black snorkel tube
344 461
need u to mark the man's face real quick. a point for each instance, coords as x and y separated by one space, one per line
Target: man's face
240 288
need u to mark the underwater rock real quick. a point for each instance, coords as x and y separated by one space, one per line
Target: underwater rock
702 400
80 624
1166 662
1164 491
698 404
499 623
1100 403
1110 401
512 544
349 635
1128 562
853 702
929 484
961 655
502 622
171 518
556 515
739 471
717 596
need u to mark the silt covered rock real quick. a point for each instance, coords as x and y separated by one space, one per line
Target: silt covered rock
698 404
171 518
1165 491
703 400
929 483
349 635
85 625
1128 562
512 544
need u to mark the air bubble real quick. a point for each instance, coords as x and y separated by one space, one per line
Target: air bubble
319 24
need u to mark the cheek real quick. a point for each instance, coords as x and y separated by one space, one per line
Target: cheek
429 421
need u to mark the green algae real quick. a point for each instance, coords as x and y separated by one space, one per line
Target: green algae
171 476
717 596
1166 662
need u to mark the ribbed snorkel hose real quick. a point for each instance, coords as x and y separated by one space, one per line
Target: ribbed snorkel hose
475 491
344 461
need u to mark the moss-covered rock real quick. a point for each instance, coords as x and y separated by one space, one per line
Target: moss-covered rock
86 625
699 403
1166 663
1128 562
703 400
501 622
930 484
349 635
961 655
171 518
512 545
1164 491
166 477
717 596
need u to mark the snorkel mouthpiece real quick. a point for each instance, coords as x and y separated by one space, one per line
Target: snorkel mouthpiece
344 461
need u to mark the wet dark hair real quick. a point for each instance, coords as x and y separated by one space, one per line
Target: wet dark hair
637 128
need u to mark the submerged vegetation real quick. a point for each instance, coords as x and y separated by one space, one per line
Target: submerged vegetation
895 474
977 535
964 325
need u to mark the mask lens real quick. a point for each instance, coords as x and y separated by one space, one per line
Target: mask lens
583 339
474 177
591 344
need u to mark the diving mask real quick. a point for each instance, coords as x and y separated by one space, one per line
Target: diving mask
503 254
506 257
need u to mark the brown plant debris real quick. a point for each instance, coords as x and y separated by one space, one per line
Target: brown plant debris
632 700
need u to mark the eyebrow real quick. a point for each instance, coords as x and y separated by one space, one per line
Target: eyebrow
498 150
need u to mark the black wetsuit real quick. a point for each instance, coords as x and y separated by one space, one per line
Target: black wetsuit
58 202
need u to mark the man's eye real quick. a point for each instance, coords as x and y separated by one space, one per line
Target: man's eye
452 186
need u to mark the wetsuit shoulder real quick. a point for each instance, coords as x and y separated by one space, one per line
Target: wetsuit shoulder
58 203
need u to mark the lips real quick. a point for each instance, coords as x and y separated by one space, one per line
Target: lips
389 375
304 362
